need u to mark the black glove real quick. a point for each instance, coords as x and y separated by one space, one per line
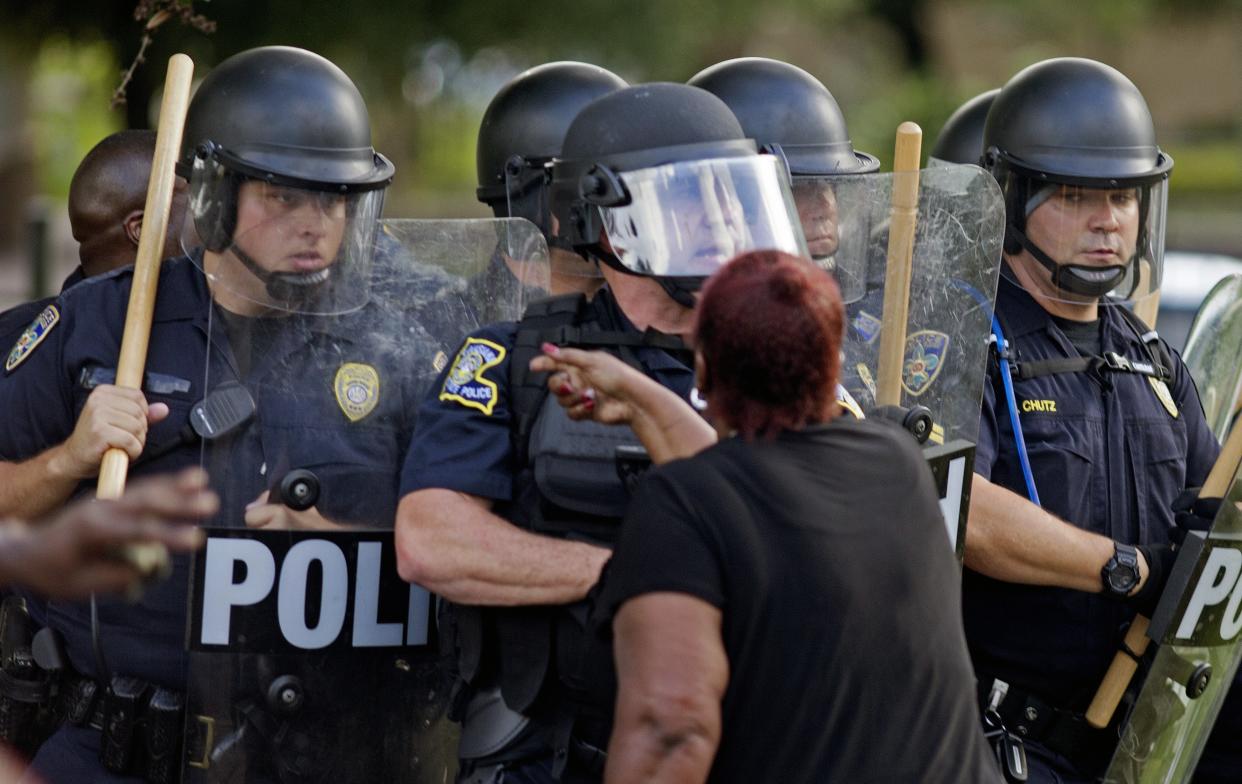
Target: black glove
1192 513
1160 559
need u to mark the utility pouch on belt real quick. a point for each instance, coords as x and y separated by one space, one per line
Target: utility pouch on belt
123 700
24 686
164 720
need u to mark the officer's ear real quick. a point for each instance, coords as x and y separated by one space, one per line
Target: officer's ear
133 226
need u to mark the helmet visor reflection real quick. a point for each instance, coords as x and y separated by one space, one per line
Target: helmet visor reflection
688 219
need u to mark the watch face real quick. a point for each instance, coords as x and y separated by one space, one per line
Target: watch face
1122 578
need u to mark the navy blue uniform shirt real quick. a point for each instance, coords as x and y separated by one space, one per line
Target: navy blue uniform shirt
302 396
463 440
15 320
1108 456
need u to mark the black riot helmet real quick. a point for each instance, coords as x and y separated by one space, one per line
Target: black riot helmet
1075 138
290 129
660 180
522 131
961 138
787 112
792 115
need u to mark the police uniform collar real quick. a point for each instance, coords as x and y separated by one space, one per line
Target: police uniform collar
75 277
1118 335
610 316
1020 313
183 292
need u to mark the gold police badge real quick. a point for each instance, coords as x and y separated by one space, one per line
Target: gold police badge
357 389
1164 396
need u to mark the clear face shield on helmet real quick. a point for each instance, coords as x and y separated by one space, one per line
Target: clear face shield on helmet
834 212
1083 244
687 219
273 245
526 191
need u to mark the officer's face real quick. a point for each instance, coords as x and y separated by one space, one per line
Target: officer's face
709 226
817 211
289 229
1092 227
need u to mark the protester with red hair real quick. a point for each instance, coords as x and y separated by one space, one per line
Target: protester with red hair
784 602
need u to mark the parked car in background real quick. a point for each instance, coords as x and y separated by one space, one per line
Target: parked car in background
1188 277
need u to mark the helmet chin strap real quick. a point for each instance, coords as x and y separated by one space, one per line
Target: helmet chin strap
1075 278
680 289
287 287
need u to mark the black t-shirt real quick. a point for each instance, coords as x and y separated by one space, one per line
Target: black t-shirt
1083 335
826 552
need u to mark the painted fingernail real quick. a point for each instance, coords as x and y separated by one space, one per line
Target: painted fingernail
589 394
565 389
550 349
588 404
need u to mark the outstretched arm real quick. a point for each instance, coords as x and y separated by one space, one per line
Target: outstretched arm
596 385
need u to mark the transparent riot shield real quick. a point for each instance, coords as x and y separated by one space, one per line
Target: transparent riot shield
1197 629
1214 354
953 277
310 660
954 271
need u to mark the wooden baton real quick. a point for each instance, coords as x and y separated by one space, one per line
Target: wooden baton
1148 307
902 223
1122 670
113 470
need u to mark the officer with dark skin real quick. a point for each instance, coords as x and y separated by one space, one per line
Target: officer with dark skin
285 197
1090 426
516 507
107 197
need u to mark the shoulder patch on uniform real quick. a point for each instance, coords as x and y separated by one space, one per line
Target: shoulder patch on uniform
866 325
357 388
1163 394
32 337
466 382
924 360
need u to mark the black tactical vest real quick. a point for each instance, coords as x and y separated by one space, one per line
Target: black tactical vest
568 485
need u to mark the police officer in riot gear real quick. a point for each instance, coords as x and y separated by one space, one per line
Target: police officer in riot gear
1090 427
516 506
793 116
520 134
285 190
250 167
522 131
961 137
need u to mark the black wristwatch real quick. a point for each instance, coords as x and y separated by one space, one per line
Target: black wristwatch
1121 573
